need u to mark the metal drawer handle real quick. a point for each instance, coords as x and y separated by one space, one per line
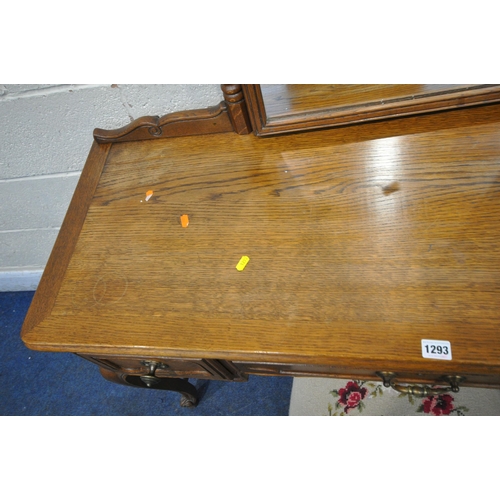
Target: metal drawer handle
420 391
151 379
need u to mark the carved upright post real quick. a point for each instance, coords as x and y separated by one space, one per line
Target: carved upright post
237 108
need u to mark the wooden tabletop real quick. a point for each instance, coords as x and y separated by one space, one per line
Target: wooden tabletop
362 241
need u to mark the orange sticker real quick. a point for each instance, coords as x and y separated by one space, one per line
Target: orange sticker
184 220
149 194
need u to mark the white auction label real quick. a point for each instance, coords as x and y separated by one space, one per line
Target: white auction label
436 349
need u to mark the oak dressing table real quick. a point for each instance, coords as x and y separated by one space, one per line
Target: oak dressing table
368 244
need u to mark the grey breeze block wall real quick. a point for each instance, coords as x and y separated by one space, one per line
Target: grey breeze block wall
45 136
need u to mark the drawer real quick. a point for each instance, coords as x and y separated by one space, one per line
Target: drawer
299 370
169 367
329 371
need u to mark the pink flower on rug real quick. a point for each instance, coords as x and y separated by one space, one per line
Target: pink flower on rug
351 395
442 404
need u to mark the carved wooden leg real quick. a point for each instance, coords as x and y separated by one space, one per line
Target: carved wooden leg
187 390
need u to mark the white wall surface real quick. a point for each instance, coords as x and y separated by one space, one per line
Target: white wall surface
45 136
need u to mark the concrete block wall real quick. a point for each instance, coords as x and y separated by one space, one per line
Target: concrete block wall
45 137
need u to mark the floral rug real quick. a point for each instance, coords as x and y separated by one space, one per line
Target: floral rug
340 397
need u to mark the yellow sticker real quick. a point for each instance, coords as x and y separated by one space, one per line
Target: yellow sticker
242 263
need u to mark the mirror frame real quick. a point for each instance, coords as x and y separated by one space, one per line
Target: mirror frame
263 124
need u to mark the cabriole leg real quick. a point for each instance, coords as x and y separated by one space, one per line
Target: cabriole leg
189 396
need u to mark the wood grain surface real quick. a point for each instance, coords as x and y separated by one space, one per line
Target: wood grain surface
362 241
54 271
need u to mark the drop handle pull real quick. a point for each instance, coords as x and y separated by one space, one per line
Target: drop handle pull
151 379
418 390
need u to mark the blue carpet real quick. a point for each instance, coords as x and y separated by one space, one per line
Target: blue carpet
42 383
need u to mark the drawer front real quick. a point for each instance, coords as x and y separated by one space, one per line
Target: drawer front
328 371
298 370
169 367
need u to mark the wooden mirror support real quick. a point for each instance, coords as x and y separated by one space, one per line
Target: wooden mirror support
230 115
